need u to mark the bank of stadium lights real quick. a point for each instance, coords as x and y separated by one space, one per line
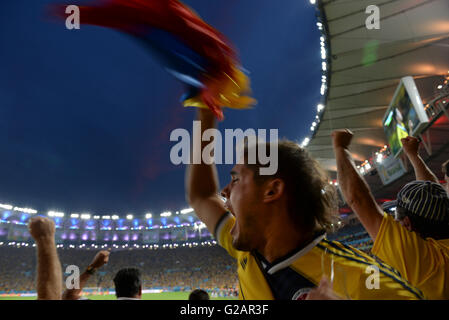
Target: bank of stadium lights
74 215
85 216
115 217
312 1
25 210
185 211
129 217
165 214
379 157
6 206
148 216
96 217
305 142
55 214
106 217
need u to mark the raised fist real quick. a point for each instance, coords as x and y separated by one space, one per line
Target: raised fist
342 138
410 145
41 228
101 258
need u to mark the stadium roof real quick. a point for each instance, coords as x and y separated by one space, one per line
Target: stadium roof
365 66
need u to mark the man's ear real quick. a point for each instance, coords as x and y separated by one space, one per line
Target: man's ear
273 190
407 223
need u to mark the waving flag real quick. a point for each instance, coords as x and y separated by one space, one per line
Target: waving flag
189 48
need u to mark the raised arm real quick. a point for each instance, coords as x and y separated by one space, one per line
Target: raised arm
49 274
202 180
354 188
100 259
422 172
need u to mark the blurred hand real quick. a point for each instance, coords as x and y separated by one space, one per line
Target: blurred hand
342 138
41 228
101 258
410 145
322 292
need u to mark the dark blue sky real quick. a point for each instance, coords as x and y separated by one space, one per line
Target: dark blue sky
86 115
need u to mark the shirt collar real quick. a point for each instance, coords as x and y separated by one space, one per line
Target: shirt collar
291 257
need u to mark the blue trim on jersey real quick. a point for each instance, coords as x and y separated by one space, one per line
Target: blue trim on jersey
351 250
417 294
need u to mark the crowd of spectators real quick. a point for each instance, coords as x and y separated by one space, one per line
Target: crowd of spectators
180 269
355 236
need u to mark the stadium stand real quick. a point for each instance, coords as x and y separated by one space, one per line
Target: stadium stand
206 266
180 269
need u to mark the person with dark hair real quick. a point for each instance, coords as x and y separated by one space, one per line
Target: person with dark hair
199 294
128 284
275 227
417 245
422 207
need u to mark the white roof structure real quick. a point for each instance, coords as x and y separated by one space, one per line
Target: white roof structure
365 66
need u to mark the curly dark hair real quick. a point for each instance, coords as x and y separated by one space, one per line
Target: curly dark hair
312 200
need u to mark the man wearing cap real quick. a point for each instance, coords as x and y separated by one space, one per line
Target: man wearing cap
418 244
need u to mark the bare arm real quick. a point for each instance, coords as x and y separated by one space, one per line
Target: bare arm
75 294
422 171
354 188
49 273
202 181
100 259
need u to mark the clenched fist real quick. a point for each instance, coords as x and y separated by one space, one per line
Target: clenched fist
342 138
100 259
41 228
410 145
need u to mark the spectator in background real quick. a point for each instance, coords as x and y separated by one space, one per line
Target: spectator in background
418 246
274 226
49 274
198 294
128 284
100 259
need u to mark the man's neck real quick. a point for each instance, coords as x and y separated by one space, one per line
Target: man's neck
281 241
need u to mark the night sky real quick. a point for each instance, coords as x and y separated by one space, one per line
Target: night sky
86 115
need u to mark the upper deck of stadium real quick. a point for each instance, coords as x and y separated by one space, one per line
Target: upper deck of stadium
361 70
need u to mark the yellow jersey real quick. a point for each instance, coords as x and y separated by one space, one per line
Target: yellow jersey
355 275
423 262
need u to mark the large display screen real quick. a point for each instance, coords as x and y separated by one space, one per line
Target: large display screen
405 116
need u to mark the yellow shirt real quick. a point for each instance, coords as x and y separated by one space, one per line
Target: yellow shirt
423 262
293 276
